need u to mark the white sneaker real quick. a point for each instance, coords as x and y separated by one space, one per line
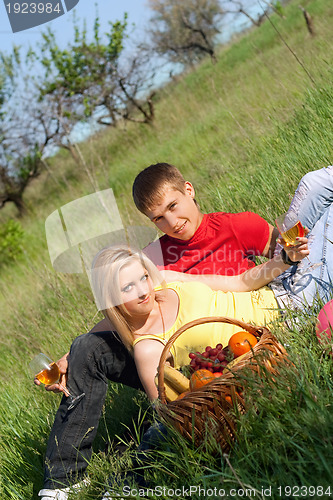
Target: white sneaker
46 494
63 493
111 494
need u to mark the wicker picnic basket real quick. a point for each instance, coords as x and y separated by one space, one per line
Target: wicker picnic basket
211 409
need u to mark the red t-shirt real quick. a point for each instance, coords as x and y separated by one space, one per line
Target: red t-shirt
223 244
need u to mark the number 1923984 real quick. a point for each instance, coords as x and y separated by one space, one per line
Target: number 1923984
33 8
304 491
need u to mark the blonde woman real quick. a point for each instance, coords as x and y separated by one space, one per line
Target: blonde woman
146 311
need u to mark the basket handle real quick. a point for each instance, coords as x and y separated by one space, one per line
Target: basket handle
182 329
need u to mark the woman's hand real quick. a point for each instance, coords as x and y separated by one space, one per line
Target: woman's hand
63 367
299 250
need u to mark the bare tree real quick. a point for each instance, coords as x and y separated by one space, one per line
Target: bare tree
15 175
85 83
20 150
92 81
135 81
55 117
241 7
185 30
22 144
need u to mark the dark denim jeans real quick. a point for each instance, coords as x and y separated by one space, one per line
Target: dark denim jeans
95 358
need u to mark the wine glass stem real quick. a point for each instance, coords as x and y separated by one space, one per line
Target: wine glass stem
65 390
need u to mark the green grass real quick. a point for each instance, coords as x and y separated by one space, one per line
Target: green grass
244 131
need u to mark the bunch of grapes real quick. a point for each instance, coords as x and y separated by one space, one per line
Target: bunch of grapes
214 359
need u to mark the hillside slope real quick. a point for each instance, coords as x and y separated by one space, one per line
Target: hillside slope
244 130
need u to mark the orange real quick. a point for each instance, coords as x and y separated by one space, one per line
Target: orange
241 342
200 378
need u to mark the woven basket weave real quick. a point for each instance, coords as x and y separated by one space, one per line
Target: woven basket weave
211 408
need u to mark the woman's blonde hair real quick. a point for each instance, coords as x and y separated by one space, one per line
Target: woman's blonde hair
106 267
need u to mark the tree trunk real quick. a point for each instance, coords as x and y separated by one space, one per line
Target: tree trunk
74 154
17 199
19 203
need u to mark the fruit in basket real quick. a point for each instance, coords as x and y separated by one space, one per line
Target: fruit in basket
324 326
170 393
176 379
199 378
213 359
241 342
175 383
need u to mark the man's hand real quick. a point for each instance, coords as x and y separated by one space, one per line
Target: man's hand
63 367
299 250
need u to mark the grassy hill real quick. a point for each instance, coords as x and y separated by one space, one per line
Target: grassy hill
244 130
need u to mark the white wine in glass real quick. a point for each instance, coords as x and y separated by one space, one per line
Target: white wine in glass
289 228
49 375
47 372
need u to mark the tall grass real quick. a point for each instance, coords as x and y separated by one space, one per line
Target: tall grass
244 131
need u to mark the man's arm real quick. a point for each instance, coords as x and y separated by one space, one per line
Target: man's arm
253 278
271 242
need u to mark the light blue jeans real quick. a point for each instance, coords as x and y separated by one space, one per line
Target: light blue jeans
313 277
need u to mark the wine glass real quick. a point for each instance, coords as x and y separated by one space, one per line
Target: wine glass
290 228
47 372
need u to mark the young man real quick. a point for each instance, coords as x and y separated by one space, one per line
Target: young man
193 242
196 243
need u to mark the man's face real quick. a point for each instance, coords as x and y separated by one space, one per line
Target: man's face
176 214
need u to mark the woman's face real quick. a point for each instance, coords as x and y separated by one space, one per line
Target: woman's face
136 289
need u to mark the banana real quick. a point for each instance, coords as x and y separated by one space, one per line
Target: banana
170 392
176 379
174 382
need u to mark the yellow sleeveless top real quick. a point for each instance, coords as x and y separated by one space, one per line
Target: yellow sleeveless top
197 300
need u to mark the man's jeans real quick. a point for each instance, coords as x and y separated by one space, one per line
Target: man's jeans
95 358
313 277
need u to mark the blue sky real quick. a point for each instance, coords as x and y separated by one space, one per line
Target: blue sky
109 10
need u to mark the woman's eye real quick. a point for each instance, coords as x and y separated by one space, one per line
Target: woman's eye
126 288
145 277
173 206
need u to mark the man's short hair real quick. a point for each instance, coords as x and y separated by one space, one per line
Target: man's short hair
150 184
